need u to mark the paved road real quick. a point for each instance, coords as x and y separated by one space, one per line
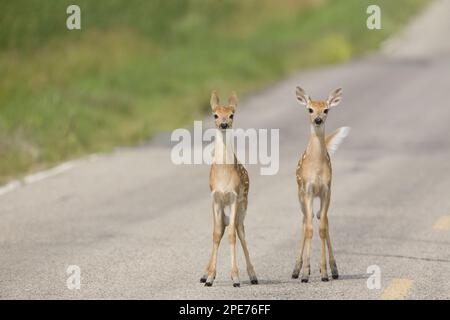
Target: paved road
140 227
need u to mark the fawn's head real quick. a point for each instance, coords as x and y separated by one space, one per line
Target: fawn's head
318 109
223 115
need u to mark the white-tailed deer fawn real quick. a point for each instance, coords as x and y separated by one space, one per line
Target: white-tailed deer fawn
314 181
229 184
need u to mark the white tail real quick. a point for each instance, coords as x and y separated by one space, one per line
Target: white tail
334 139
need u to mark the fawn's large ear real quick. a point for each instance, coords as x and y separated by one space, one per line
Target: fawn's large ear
232 100
335 97
302 97
214 100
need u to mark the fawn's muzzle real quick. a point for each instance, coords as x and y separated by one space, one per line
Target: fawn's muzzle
223 125
318 120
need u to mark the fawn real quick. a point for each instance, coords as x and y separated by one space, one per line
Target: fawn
314 180
229 184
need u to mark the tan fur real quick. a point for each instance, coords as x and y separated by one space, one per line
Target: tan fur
314 175
229 183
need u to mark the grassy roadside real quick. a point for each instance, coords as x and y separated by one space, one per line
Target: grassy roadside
139 67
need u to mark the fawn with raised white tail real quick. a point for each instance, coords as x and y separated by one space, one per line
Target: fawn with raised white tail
314 181
229 184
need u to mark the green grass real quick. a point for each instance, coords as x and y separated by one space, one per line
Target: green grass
139 67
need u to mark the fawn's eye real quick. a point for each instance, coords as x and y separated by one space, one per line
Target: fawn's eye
216 116
310 110
231 116
325 111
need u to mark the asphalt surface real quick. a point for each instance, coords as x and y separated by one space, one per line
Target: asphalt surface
139 226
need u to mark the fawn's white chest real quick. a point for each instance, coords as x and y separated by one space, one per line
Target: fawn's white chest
224 176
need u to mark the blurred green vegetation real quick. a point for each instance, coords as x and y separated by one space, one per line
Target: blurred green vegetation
138 67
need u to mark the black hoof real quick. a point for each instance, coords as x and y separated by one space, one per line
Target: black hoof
236 285
294 276
325 279
208 284
254 281
335 276
202 280
305 280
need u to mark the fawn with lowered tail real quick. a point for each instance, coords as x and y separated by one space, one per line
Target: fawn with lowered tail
229 184
314 181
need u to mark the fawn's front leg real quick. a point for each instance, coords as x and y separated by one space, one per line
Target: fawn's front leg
323 231
333 266
308 233
299 260
232 240
219 228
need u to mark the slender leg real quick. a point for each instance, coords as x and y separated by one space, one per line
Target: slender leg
232 240
219 228
250 269
308 237
324 204
333 266
299 260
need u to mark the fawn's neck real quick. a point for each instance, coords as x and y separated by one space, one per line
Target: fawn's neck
223 150
316 145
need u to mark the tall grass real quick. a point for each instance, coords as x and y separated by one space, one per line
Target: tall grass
139 67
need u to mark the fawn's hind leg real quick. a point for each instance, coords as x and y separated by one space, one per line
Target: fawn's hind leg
241 234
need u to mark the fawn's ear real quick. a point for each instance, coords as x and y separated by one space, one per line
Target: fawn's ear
214 100
232 100
335 97
302 97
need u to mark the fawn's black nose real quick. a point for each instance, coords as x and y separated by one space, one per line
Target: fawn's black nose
318 120
223 125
